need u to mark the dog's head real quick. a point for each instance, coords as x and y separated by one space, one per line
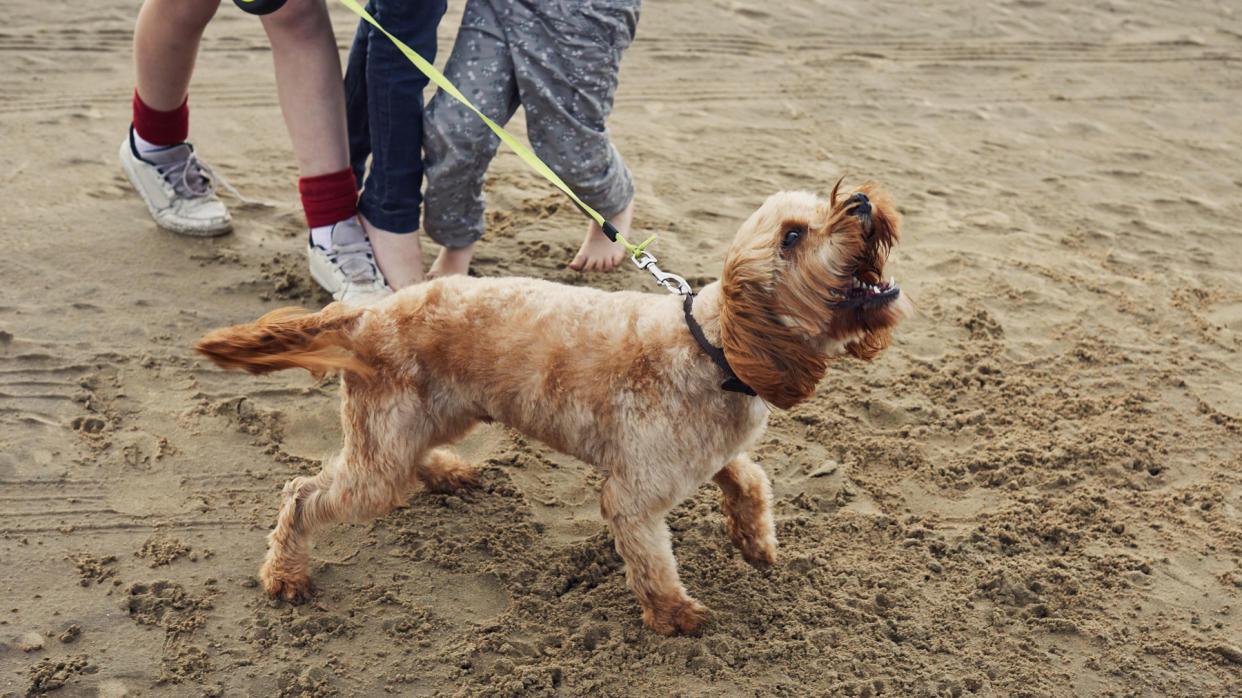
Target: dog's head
804 282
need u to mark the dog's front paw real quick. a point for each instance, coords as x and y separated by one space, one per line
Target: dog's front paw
296 588
444 473
450 482
675 614
466 479
757 545
760 553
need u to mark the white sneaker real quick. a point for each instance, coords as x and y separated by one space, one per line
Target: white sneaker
348 270
180 189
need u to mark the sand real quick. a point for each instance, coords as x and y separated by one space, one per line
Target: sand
1034 492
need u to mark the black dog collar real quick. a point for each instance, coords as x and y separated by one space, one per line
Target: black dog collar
731 383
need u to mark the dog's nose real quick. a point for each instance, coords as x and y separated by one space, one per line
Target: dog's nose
859 205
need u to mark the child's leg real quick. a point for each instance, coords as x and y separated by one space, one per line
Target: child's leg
391 90
399 256
357 119
567 84
452 261
458 146
166 39
308 83
597 252
177 187
308 80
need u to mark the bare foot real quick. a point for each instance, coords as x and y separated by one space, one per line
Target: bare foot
399 255
451 261
598 253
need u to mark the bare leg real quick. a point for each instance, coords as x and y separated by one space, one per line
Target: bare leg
598 253
643 541
309 84
452 260
746 498
166 39
399 255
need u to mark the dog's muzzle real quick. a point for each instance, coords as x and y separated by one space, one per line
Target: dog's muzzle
863 295
859 206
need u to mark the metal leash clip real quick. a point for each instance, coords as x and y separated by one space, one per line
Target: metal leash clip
671 282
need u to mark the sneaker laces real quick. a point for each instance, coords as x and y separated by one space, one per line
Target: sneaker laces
355 262
192 178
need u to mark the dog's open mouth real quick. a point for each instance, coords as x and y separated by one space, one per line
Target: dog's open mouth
862 294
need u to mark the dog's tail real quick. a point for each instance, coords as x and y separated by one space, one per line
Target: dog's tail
290 338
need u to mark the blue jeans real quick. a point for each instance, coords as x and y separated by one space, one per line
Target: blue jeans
384 108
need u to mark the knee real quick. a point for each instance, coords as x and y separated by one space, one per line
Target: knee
298 21
187 17
449 130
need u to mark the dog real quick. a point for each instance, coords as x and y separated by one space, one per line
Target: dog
660 392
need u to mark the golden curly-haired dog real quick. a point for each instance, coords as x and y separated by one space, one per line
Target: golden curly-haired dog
618 380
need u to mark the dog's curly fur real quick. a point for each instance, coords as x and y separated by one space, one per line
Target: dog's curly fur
614 379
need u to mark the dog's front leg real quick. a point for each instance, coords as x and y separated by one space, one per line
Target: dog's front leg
746 498
643 541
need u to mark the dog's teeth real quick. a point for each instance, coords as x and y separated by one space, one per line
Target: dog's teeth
892 281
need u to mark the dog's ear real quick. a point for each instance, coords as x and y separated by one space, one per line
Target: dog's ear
869 345
768 356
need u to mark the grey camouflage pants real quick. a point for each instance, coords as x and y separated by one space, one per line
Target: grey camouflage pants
558 60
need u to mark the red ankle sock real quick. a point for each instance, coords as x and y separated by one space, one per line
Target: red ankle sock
161 127
329 198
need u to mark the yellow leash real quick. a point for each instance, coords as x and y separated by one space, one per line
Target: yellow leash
522 151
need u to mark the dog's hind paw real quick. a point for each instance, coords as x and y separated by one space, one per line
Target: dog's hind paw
675 615
293 588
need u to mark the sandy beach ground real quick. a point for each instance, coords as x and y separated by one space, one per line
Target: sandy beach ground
1034 492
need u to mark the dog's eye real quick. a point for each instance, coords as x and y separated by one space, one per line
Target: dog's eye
792 236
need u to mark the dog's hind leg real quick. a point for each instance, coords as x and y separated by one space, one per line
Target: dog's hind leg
387 438
285 572
746 498
348 489
643 541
